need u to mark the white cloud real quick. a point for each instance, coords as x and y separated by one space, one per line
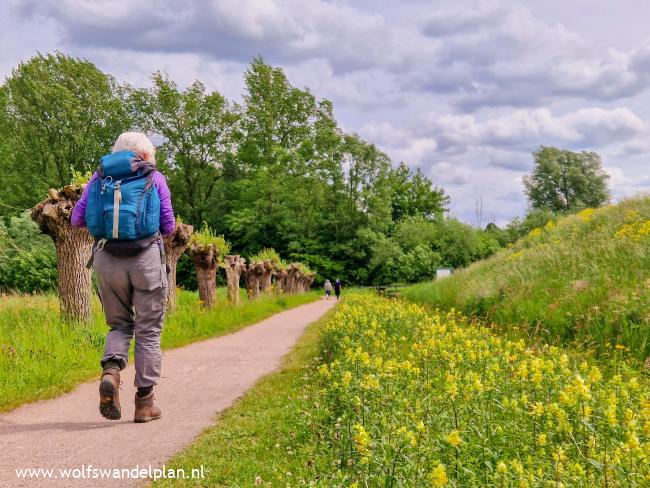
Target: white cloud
500 53
526 128
450 173
616 175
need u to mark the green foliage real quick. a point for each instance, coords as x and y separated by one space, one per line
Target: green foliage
565 181
267 254
198 130
62 114
79 178
186 274
461 244
520 227
416 231
27 257
207 237
303 268
582 278
413 194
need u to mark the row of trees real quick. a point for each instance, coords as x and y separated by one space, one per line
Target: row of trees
273 171
207 251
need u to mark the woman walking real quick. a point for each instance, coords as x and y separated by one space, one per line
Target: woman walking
126 206
328 289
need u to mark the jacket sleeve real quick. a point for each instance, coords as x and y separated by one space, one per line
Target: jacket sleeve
167 220
78 217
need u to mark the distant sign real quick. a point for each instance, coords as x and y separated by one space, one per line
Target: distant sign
443 272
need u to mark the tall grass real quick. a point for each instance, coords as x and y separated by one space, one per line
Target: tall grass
585 278
41 357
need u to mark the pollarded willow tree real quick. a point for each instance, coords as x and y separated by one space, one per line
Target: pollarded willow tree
270 261
175 245
62 114
309 279
303 278
281 278
254 275
73 249
207 250
235 265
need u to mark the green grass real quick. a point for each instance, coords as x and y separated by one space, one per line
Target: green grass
584 279
256 437
300 426
40 357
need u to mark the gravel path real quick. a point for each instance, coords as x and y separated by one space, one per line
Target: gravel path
199 381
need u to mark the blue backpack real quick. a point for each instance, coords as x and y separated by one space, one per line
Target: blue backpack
123 205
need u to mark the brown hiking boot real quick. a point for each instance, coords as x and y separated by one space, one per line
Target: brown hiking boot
109 394
145 411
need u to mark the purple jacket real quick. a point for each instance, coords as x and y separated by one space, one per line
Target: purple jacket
167 221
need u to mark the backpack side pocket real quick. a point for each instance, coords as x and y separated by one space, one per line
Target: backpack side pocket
95 210
150 214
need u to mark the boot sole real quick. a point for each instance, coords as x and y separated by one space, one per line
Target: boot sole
145 419
108 408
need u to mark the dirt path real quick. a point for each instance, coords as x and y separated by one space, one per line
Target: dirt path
199 381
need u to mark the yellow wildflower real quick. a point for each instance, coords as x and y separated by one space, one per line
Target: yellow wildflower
454 438
439 476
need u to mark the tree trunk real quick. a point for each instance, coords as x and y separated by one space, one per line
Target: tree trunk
253 278
205 262
293 273
73 250
281 281
234 265
175 245
309 280
267 277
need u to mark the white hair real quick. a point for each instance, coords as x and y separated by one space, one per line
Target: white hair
136 142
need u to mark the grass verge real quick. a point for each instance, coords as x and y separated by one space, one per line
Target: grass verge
253 441
398 395
41 357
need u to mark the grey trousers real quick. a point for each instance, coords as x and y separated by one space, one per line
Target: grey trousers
133 291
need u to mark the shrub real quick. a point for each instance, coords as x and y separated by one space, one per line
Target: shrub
27 257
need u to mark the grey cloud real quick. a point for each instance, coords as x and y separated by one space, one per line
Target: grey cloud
526 129
452 22
502 55
284 31
513 161
451 173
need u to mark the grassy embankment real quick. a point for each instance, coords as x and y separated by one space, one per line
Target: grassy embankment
40 357
585 278
395 395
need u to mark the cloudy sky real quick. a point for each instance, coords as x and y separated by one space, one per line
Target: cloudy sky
463 89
